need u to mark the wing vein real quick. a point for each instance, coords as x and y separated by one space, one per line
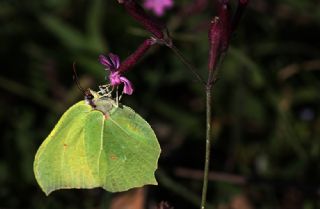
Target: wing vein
101 146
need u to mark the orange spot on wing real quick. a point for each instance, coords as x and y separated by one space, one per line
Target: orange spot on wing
106 116
113 157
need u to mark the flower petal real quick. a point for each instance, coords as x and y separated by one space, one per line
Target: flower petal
128 88
111 62
115 60
104 61
115 78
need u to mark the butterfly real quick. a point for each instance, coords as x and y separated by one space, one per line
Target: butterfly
98 142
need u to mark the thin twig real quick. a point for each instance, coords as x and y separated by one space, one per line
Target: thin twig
187 63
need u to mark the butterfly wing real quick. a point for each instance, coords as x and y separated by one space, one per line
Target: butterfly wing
61 161
131 151
88 149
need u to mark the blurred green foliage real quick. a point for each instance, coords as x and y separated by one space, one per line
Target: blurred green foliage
266 102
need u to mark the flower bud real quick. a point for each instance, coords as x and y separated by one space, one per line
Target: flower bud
215 34
224 15
135 56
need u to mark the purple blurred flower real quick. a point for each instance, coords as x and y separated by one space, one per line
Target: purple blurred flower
158 6
112 63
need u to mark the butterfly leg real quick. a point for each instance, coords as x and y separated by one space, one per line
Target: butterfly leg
117 96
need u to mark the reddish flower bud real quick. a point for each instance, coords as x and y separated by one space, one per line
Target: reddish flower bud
242 4
215 37
224 15
137 12
134 57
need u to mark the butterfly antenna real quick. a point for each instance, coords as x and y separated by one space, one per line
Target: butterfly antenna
75 77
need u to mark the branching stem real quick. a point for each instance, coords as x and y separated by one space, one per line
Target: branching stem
208 89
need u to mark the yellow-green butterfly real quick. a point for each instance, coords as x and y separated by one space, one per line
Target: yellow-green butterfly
98 143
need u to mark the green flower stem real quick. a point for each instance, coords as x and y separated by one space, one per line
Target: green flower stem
212 78
208 89
208 146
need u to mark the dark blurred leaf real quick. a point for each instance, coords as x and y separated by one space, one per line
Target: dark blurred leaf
69 36
94 23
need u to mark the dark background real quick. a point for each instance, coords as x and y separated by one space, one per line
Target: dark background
266 123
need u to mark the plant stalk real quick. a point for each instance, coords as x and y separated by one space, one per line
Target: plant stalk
208 88
187 63
208 146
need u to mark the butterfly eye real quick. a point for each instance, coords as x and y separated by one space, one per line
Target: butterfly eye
88 97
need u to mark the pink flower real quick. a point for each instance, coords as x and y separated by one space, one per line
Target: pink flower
112 64
158 6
